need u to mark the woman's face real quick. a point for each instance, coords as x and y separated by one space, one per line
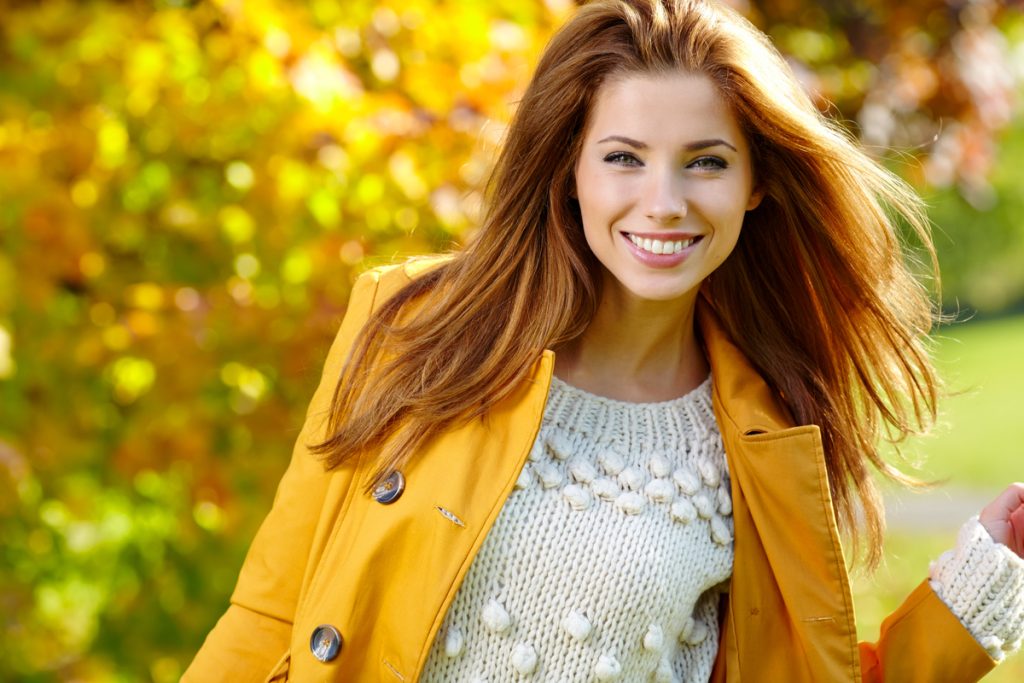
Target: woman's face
664 180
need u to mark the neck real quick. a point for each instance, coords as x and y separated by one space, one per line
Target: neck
636 350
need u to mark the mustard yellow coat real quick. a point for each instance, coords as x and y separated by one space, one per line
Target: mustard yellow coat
384 575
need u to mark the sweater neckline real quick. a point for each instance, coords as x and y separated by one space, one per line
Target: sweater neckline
696 395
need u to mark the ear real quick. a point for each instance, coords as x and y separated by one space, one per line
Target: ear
756 195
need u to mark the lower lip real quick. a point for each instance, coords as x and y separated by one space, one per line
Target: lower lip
660 260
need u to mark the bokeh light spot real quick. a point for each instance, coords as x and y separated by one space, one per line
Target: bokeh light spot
6 355
130 377
240 175
208 515
297 267
187 299
351 252
247 266
236 223
84 193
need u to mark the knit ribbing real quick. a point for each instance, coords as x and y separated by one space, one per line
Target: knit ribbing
982 583
605 560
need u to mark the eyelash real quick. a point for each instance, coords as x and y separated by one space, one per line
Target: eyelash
710 163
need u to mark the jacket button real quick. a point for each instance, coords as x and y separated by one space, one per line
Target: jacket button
390 490
325 643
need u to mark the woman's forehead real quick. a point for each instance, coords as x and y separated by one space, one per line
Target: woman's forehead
663 106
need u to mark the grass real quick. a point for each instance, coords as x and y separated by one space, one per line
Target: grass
977 449
981 431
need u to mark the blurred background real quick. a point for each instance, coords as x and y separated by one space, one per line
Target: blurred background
188 189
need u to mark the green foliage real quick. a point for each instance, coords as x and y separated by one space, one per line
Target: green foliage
187 190
981 248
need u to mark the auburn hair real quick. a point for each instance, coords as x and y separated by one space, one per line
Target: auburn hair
817 293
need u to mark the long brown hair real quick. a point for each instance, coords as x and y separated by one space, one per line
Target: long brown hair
816 293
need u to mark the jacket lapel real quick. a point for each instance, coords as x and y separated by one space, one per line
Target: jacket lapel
790 611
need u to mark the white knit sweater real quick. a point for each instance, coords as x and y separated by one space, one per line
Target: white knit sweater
603 563
607 561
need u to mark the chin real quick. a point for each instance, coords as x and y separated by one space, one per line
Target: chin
663 291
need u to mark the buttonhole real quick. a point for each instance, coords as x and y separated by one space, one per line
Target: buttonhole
450 516
393 670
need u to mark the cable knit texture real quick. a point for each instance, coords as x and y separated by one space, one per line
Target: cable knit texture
982 583
606 561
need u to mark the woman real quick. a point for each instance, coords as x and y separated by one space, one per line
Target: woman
668 205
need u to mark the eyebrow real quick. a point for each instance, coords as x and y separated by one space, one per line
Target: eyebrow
690 147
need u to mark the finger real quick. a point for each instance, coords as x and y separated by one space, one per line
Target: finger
1005 504
1017 531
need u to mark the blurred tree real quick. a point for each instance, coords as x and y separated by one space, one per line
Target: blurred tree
186 192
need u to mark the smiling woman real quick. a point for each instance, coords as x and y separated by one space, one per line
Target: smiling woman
660 369
664 181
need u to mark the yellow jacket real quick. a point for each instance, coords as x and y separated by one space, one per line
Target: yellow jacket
384 575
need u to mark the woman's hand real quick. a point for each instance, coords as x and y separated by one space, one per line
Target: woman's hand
1003 518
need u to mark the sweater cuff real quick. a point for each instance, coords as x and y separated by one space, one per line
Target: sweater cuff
982 583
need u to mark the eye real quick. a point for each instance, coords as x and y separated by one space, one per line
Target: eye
710 163
623 159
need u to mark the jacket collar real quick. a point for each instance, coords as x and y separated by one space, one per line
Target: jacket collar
741 396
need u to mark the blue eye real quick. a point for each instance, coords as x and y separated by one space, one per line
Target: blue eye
709 163
623 159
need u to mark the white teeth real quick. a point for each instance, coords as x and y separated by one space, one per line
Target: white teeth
660 247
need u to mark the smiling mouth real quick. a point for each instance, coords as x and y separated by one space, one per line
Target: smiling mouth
656 246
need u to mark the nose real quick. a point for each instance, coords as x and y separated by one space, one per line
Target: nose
664 200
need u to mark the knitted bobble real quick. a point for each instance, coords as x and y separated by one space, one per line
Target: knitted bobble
611 462
607 668
631 503
496 619
683 511
560 445
631 478
537 452
524 658
664 673
525 479
549 475
582 470
991 644
687 481
660 466
694 632
454 643
605 488
577 625
578 497
660 490
709 473
654 639
720 533
724 501
705 506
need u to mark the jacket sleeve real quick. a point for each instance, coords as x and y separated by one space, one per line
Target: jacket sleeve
251 639
923 641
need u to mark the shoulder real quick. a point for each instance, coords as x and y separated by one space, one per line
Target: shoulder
384 281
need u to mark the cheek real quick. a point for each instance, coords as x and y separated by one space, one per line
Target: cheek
730 205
